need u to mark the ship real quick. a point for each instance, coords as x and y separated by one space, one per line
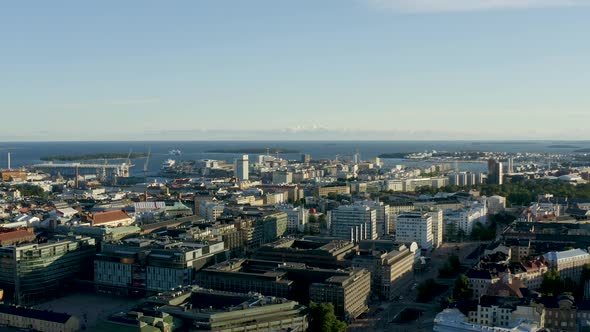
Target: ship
168 163
174 152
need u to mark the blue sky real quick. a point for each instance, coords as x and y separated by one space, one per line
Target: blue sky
306 69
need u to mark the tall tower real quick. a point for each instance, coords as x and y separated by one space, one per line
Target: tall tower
495 172
510 165
241 168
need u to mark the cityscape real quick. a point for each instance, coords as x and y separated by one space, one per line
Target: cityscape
295 166
270 243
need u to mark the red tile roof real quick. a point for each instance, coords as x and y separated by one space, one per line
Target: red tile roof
12 237
108 217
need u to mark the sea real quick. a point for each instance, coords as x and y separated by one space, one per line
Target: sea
29 153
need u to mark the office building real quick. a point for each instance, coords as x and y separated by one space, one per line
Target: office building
347 289
391 266
198 309
241 168
136 266
313 252
37 320
569 263
31 273
495 172
354 223
415 226
437 227
297 217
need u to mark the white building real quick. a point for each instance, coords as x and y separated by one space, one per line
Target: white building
414 226
210 210
297 217
354 223
464 219
282 177
241 168
452 320
437 227
496 204
568 263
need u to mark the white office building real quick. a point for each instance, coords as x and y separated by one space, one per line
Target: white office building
241 168
414 226
354 223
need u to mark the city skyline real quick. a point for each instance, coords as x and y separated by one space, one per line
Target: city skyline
330 70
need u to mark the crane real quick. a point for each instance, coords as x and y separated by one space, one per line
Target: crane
147 162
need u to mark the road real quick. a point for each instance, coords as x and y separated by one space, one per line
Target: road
382 314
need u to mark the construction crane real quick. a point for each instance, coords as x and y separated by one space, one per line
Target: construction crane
147 162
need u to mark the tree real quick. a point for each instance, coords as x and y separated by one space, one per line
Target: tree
551 284
312 219
323 319
462 290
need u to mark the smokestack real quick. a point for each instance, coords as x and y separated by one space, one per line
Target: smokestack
9 160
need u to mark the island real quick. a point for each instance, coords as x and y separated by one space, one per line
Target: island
94 156
563 146
394 155
254 150
585 150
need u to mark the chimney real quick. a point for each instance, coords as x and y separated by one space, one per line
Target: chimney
9 161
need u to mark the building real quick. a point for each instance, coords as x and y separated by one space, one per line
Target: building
480 281
453 320
13 175
269 227
506 312
198 309
338 190
115 218
241 168
210 211
495 172
462 220
32 273
297 217
348 293
136 266
37 320
560 313
9 237
391 268
496 204
282 177
313 252
569 263
415 226
354 223
437 227
347 289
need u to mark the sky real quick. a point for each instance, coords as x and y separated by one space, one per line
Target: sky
294 70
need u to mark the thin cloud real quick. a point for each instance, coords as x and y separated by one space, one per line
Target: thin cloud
417 6
116 102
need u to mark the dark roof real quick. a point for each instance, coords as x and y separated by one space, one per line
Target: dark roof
478 274
36 314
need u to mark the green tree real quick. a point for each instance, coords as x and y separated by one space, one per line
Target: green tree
312 218
323 319
426 290
551 284
462 290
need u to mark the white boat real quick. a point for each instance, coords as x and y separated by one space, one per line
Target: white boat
174 152
168 163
